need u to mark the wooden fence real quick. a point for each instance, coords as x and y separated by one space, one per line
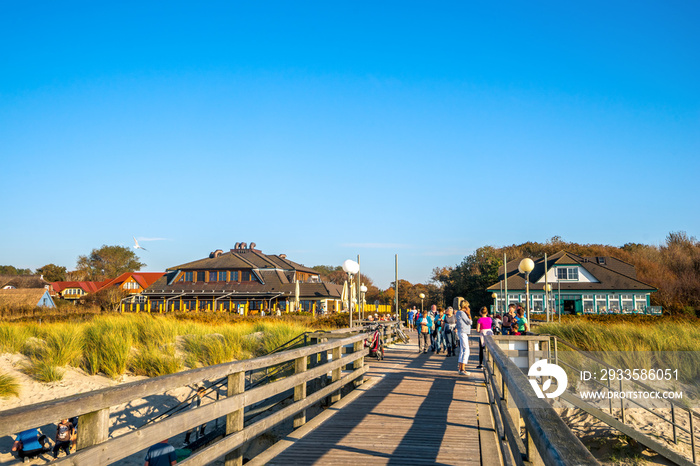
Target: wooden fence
548 440
323 361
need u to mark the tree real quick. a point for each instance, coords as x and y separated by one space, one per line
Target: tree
11 270
52 272
108 299
108 262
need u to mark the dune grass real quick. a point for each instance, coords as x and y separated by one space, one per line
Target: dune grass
13 338
627 336
108 344
628 344
143 344
8 386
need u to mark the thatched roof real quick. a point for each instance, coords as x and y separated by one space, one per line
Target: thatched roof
23 281
23 297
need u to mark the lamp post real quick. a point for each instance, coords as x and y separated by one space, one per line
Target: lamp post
495 303
547 290
363 291
351 268
526 265
422 297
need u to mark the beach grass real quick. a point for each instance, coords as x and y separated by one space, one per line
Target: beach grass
672 344
44 371
108 343
153 362
143 344
8 386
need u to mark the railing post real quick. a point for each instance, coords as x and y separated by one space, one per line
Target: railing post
673 423
358 363
300 391
335 376
234 420
323 359
692 433
313 362
533 456
94 428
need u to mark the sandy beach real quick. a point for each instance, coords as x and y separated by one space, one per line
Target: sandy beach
123 418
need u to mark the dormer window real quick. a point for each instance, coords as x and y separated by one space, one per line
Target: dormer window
567 273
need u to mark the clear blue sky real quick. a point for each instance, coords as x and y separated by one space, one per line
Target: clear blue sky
324 130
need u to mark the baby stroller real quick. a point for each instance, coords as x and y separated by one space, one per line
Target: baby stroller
375 344
29 444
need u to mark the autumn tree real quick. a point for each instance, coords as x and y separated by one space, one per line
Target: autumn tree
52 272
108 299
108 262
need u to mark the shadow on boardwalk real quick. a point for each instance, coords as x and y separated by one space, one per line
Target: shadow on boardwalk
421 412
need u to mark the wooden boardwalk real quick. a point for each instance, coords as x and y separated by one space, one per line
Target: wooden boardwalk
420 412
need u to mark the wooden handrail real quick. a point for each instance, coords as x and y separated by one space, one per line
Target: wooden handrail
554 441
120 447
26 417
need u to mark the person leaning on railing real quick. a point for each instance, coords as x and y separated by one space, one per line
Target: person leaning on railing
464 326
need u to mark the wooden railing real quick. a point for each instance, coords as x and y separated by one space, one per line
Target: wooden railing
318 362
548 440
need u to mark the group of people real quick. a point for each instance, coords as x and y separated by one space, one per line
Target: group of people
443 330
446 330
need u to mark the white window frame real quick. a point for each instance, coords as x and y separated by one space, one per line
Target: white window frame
570 272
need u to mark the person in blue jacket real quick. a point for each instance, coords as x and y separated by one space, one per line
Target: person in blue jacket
424 325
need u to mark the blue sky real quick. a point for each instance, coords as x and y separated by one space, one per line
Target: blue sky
324 130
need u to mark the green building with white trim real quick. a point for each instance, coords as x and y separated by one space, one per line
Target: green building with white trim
579 285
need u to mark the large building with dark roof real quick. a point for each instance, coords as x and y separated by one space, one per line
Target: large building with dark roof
240 280
580 285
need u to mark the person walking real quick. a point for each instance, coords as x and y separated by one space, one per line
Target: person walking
412 317
450 325
483 327
424 324
439 334
464 326
64 436
432 313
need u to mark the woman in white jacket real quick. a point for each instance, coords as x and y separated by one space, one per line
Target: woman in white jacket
464 327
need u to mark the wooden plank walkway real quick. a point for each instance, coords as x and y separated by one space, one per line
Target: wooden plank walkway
420 412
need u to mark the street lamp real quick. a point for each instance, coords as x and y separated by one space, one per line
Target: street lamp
351 268
526 266
547 290
422 297
363 290
495 303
